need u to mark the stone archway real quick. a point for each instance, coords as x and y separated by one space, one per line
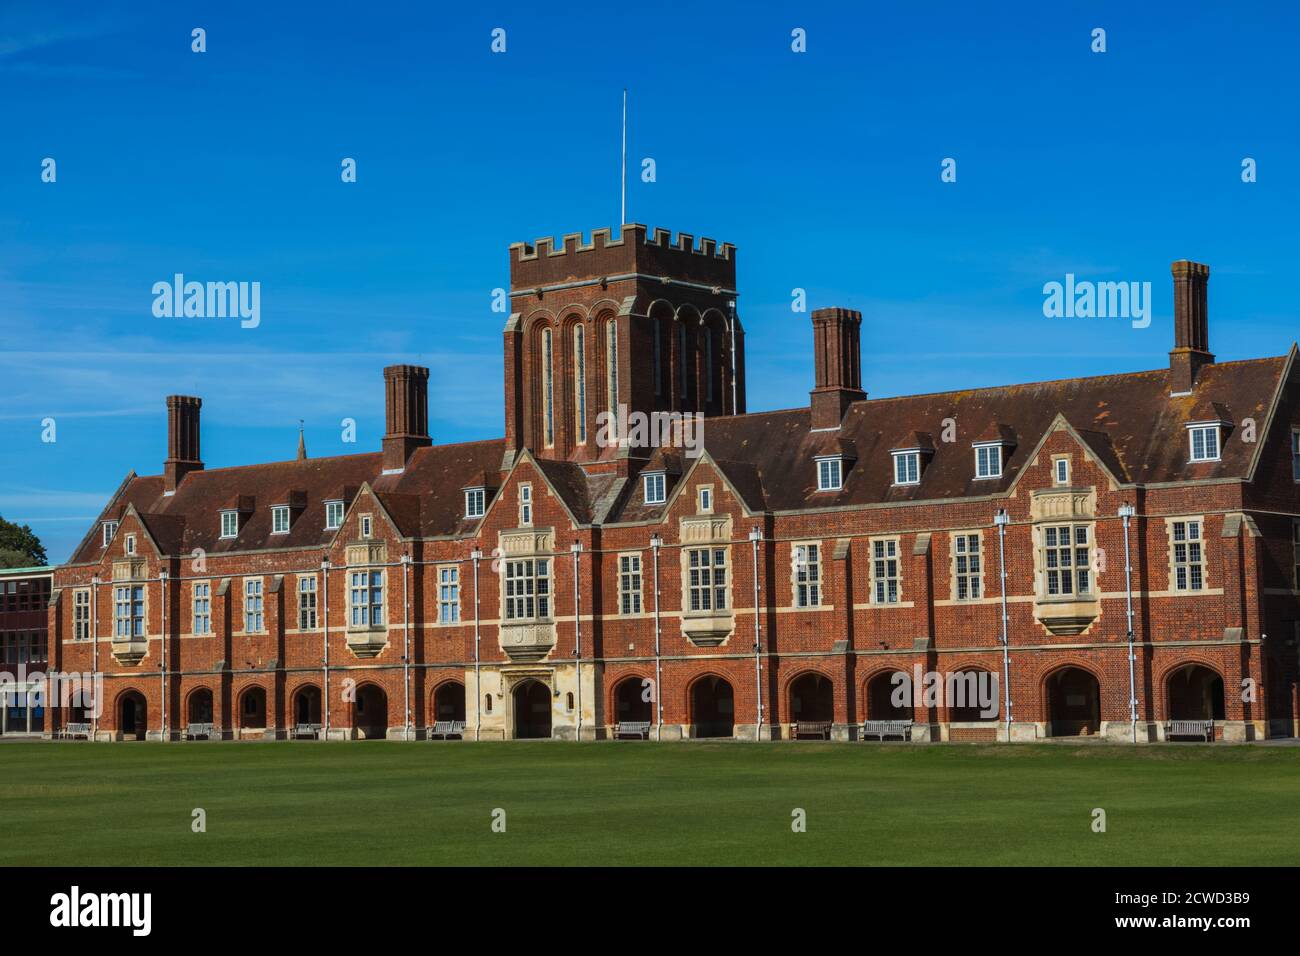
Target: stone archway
713 707
449 702
252 709
630 703
132 716
532 710
306 705
1195 693
199 707
812 698
881 693
370 713
1073 703
971 696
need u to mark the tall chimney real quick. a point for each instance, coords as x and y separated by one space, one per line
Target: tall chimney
837 356
182 440
1191 325
406 407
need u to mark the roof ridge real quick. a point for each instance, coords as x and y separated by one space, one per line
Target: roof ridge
1057 381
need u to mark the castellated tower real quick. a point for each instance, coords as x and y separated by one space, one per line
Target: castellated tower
642 321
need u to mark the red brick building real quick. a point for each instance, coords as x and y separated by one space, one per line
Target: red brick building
723 580
24 643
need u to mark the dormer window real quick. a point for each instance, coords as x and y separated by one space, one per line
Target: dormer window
280 519
655 488
830 473
229 524
1204 438
333 515
109 530
988 460
475 502
907 467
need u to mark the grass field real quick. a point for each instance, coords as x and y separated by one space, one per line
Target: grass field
647 804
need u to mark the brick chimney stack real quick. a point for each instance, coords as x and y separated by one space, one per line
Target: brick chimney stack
406 407
182 440
837 356
1191 325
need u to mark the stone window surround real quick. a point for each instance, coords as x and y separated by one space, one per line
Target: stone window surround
715 626
817 582
898 564
1064 614
952 566
1169 541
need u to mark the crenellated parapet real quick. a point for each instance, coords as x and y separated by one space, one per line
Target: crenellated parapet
634 251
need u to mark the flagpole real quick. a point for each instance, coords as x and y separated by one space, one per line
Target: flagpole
622 192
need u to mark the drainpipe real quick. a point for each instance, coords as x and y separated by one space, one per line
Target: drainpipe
406 631
1126 511
162 588
576 548
325 687
655 542
476 555
1002 519
754 537
94 654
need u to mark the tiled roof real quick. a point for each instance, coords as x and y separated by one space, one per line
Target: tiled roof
1130 422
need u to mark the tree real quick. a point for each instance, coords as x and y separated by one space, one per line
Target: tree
19 546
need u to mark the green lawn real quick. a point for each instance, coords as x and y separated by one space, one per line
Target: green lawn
634 803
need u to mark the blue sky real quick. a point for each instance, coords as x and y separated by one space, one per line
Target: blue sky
823 168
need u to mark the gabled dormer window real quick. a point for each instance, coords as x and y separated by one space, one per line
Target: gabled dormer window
333 515
109 530
830 473
229 524
1204 437
907 467
475 502
280 519
988 460
655 488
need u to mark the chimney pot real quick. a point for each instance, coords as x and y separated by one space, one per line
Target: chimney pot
182 440
406 413
837 361
1191 350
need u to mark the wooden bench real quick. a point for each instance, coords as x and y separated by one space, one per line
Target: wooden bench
1190 728
205 731
446 729
73 731
810 728
632 728
880 729
310 731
